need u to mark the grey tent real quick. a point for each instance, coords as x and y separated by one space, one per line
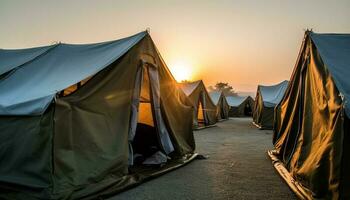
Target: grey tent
204 109
312 126
222 107
85 121
267 97
240 106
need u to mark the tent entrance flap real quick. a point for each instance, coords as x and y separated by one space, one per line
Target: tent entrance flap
202 117
200 114
148 133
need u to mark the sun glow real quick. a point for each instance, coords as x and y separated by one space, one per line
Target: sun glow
181 71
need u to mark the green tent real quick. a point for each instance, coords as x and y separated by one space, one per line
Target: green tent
204 109
222 107
240 106
88 120
312 126
267 97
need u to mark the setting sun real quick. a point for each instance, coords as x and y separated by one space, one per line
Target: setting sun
181 70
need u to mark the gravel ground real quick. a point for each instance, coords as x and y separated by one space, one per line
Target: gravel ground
237 168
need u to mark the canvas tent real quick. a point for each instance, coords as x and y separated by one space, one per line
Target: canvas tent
222 107
74 118
311 136
204 109
240 106
267 97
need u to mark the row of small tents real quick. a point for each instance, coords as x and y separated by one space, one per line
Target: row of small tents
86 121
309 116
214 106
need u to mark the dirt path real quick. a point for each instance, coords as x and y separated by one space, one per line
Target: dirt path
237 168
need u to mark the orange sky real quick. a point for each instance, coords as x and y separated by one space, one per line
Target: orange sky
241 42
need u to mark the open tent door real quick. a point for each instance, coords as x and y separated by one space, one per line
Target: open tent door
247 109
149 139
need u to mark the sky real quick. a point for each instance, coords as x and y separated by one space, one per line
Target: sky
242 42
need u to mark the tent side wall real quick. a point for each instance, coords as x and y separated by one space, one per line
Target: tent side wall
194 99
251 102
258 108
219 109
222 108
345 166
225 108
310 131
26 155
92 125
262 116
267 117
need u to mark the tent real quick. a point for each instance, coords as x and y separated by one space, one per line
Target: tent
312 126
204 109
240 106
267 97
222 107
88 120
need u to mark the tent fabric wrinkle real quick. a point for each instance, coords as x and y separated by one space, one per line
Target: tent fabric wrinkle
71 61
311 125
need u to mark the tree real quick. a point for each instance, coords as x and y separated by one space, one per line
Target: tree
223 87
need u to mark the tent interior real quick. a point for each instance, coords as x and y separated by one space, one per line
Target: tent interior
146 142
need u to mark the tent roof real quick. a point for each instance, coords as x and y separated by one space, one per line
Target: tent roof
189 87
215 96
30 88
235 101
13 58
273 94
335 53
